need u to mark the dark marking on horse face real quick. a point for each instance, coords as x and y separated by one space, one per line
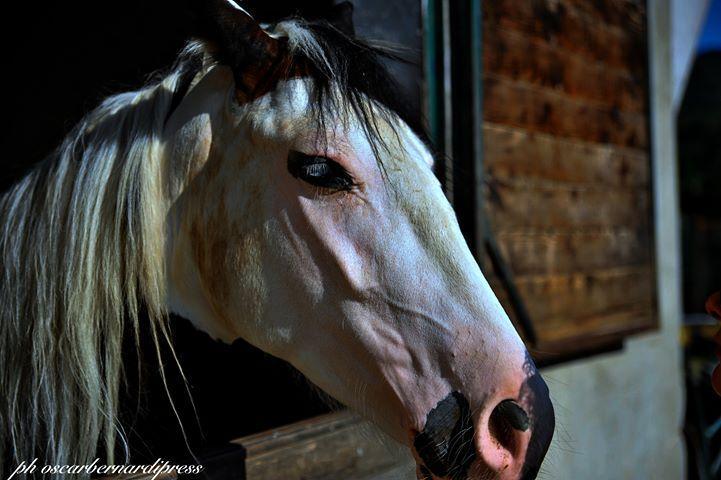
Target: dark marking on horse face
446 443
534 394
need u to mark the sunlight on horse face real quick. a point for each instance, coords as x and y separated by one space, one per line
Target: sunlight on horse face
369 289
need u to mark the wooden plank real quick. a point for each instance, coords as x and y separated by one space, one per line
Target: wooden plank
517 56
512 153
599 303
556 298
539 253
563 305
595 335
540 110
585 331
553 22
516 206
329 447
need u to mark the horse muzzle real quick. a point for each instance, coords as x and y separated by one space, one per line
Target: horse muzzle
508 439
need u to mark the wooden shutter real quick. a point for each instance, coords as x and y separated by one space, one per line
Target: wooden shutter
567 165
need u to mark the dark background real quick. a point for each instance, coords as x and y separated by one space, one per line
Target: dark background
68 56
699 157
60 62
699 153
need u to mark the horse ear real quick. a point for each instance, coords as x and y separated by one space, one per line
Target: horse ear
341 17
238 40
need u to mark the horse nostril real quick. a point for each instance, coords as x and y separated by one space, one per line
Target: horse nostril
513 414
506 420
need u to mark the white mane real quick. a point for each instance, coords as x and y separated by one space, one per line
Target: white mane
80 250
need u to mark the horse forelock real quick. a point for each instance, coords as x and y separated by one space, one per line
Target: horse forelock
349 79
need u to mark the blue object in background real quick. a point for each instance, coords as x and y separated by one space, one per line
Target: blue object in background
711 35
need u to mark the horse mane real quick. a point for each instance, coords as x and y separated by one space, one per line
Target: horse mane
82 250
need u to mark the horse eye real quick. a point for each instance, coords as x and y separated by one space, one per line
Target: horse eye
319 171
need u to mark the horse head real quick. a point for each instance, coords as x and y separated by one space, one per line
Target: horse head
306 219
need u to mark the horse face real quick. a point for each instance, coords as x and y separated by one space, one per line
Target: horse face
348 262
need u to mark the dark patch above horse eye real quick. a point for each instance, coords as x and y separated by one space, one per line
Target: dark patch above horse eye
319 171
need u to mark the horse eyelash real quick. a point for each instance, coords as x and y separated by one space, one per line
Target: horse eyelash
295 167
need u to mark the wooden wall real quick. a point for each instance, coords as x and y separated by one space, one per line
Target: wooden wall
566 152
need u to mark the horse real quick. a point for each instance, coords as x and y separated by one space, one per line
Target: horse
270 187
